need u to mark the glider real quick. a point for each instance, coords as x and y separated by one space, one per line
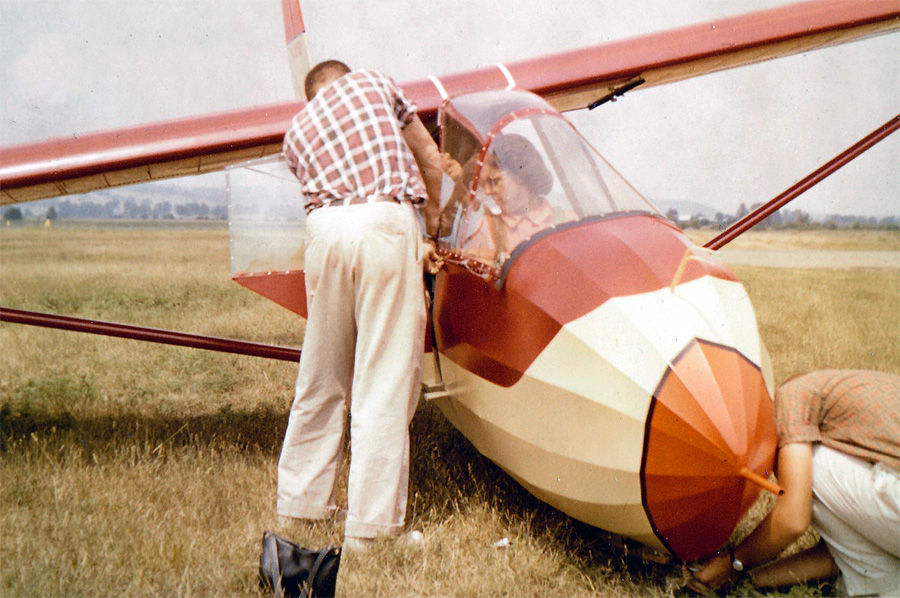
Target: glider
605 362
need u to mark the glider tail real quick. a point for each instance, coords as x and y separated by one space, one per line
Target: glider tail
297 47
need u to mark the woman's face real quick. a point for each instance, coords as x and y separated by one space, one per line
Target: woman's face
509 194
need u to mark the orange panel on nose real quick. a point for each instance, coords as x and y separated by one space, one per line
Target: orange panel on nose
710 417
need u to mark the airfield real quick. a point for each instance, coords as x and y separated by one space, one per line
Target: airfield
146 470
831 249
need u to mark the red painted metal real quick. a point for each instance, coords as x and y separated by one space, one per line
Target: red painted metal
211 136
97 153
820 174
624 60
154 335
287 289
497 333
293 19
557 279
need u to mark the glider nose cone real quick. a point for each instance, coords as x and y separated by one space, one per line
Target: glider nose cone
710 421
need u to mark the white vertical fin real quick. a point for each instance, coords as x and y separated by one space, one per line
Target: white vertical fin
297 46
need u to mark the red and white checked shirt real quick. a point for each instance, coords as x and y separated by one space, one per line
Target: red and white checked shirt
347 143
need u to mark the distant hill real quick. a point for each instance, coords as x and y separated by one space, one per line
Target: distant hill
685 208
145 193
157 200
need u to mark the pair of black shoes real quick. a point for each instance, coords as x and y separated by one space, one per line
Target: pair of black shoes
295 572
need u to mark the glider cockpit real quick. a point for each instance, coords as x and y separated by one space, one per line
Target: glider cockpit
519 169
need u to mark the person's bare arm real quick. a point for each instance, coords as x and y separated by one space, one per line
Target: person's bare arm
428 159
812 564
787 520
792 513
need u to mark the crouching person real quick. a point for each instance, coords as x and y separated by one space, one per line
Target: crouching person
839 464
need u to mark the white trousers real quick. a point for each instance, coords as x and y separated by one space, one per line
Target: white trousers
856 510
364 339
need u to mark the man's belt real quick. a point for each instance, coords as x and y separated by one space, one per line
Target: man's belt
360 200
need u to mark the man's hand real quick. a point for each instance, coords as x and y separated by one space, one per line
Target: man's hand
431 261
451 167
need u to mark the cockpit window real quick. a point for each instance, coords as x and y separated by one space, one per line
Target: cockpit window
518 168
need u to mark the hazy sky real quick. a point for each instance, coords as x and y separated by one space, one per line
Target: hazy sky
740 136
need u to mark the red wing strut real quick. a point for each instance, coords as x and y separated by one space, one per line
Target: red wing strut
820 174
153 335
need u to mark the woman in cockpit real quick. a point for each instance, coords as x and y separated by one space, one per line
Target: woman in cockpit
515 177
509 206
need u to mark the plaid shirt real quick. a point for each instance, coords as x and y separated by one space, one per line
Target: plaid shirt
347 143
856 412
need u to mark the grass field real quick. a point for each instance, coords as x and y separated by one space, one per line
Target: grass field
146 470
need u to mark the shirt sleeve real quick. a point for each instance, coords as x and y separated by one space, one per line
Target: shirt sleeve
404 109
797 409
287 149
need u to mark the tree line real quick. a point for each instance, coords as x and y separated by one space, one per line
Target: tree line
784 219
130 209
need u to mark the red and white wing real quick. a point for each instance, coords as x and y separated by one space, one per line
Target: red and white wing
569 80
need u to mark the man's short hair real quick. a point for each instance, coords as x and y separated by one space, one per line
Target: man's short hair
321 74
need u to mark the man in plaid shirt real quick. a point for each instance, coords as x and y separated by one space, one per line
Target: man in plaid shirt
366 163
839 463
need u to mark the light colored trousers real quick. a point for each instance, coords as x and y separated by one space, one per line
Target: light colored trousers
856 510
364 339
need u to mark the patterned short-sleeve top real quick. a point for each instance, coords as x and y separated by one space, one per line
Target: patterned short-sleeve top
854 411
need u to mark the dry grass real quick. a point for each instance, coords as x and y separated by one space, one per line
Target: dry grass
137 469
852 240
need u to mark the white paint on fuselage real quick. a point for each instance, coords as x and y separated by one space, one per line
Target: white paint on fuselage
572 429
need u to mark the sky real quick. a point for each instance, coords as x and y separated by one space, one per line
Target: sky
741 136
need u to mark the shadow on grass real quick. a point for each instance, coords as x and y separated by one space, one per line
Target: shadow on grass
445 468
260 430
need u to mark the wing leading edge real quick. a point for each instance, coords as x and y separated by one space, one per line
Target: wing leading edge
569 80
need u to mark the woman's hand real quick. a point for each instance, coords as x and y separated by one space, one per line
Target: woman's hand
716 573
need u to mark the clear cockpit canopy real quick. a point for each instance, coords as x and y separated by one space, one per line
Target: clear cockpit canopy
519 168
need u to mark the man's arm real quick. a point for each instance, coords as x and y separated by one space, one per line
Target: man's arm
428 159
787 520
